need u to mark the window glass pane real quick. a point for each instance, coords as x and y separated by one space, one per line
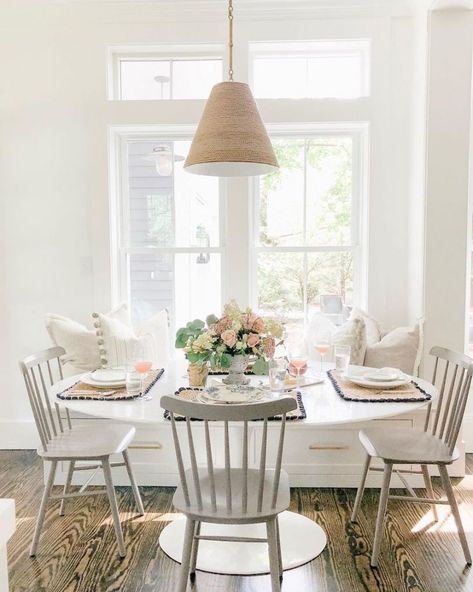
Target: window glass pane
280 77
281 285
281 197
151 284
338 76
187 284
153 79
138 80
329 191
319 182
311 69
197 286
329 273
169 208
193 79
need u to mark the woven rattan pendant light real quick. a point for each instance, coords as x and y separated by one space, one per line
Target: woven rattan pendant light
231 140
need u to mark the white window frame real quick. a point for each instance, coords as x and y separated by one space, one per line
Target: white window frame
359 132
312 49
119 137
166 53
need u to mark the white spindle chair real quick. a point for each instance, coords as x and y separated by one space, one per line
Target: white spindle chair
61 442
435 445
235 494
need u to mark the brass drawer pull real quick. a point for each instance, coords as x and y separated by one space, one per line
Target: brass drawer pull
328 447
145 446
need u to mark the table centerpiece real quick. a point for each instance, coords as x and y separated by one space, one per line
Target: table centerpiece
228 343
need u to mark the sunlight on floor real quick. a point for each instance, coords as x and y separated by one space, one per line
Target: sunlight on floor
446 522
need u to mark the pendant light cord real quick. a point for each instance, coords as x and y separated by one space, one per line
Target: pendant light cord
230 40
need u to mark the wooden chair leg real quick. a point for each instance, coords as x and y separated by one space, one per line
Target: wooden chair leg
186 555
107 471
447 485
195 550
383 502
42 508
430 490
134 486
278 537
67 485
273 555
361 488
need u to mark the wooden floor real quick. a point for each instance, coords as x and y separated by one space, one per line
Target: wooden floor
78 552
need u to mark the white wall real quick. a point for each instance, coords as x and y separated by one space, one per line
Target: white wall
53 157
448 213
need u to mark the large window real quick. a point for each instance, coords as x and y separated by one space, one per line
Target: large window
308 225
169 251
311 69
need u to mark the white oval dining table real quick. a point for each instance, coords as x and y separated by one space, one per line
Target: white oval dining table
301 538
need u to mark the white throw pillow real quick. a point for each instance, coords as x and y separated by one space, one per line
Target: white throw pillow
372 327
118 342
400 348
352 333
80 343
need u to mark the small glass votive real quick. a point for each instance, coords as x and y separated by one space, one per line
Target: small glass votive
132 382
342 358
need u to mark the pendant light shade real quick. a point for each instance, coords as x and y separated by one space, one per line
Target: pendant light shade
231 140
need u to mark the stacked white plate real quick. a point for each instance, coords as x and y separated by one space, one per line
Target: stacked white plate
105 378
231 395
376 378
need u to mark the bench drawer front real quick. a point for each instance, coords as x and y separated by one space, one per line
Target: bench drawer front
321 450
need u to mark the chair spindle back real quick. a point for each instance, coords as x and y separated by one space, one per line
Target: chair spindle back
452 376
40 371
240 414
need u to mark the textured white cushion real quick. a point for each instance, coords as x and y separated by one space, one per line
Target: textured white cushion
352 333
119 343
400 348
80 343
372 327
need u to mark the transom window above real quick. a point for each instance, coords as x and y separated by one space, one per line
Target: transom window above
311 69
164 75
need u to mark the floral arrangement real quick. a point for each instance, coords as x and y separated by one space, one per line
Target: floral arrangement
236 332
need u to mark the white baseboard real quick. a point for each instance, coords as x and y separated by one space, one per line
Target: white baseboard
18 435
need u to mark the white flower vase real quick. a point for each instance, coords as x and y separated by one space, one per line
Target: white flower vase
236 370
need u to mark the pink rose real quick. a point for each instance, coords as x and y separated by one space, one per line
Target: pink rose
229 337
253 340
222 324
258 325
247 320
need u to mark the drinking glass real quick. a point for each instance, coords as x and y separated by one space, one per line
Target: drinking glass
277 375
297 363
132 381
342 358
143 367
322 347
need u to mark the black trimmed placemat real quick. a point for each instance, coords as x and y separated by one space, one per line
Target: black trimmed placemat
120 394
222 372
190 395
352 392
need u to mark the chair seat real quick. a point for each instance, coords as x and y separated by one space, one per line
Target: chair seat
235 515
403 446
90 441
